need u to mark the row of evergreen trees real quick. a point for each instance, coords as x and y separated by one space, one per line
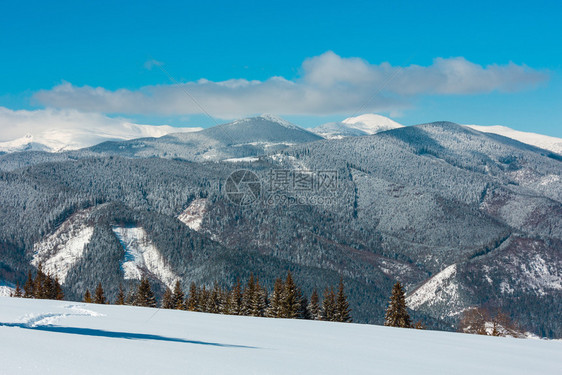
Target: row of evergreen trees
286 300
43 286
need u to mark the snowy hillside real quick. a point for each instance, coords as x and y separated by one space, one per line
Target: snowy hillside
538 140
366 124
52 337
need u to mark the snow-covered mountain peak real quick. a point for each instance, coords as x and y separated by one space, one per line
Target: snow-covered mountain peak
366 124
371 123
269 118
279 120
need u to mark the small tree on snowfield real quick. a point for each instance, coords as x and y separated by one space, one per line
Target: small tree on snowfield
192 302
177 296
397 313
120 296
145 297
329 305
87 296
342 313
214 300
28 287
248 295
39 283
167 300
274 309
48 287
58 293
291 302
18 292
258 301
235 299
314 306
99 297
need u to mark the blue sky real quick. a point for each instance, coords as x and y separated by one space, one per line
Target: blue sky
95 57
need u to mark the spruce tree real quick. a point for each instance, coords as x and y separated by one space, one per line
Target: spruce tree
39 283
329 305
342 311
397 313
304 312
314 306
291 302
99 297
131 297
58 293
192 302
274 309
235 299
167 299
29 286
120 300
177 296
18 292
145 297
48 288
214 302
248 295
258 300
87 297
202 299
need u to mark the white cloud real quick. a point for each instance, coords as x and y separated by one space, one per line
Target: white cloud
329 85
71 129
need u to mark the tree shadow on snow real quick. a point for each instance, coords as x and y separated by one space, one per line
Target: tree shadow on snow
119 335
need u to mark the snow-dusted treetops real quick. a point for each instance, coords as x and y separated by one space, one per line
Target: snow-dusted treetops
463 217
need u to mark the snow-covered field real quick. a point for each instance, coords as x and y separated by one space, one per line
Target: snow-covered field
57 337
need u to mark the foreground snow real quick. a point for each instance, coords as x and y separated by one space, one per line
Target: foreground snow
52 337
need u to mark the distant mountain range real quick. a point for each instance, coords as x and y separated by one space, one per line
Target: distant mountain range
274 134
77 136
461 217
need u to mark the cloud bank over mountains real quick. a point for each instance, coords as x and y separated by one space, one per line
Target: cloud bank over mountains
67 129
328 84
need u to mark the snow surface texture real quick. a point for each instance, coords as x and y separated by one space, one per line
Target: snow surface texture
538 140
192 216
141 255
55 337
59 251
